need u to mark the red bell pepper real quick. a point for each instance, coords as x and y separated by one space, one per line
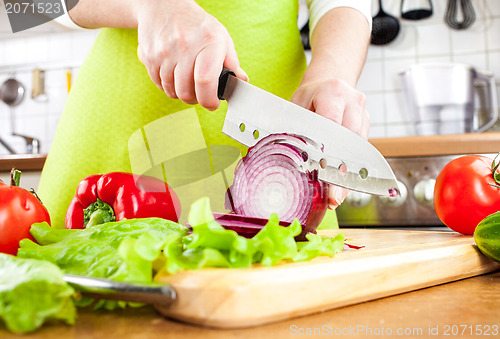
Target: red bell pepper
117 196
19 209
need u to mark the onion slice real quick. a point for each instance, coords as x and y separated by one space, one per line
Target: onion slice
268 180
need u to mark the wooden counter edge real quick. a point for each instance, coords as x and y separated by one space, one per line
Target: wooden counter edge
23 162
473 143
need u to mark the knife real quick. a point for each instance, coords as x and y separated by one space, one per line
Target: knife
157 294
343 158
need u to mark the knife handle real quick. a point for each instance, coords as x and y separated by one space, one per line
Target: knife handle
224 75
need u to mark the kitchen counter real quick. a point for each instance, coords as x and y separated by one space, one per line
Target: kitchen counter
472 143
390 147
23 162
467 305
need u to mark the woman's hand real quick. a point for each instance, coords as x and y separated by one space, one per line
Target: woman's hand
184 50
339 44
338 101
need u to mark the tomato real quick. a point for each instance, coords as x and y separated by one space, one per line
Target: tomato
466 192
19 209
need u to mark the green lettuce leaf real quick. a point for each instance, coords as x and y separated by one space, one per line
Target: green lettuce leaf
96 252
103 251
32 292
210 245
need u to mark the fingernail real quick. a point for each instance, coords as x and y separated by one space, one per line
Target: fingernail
241 71
338 196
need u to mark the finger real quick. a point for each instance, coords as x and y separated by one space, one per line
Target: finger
152 68
329 106
355 114
231 62
167 79
184 81
301 98
365 128
207 69
336 195
353 119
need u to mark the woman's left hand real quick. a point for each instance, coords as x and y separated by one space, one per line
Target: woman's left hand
340 102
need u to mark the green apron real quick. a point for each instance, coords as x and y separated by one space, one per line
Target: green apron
114 110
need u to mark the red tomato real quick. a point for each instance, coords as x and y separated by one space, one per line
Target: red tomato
466 192
19 209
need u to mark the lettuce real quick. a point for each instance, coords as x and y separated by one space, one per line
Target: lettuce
103 251
211 245
132 250
95 252
31 292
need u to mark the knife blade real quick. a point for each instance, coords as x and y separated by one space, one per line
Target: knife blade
157 294
344 158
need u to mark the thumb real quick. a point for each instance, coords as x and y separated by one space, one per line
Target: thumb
232 63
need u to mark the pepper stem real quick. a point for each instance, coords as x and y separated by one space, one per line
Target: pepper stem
98 213
15 177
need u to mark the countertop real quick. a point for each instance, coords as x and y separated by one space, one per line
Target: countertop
456 144
488 142
456 309
23 162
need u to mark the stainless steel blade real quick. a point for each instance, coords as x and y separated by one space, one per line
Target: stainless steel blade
158 294
346 159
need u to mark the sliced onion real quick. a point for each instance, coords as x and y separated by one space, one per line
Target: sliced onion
268 180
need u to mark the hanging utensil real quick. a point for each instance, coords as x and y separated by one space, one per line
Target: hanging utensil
385 27
467 13
68 79
38 91
416 13
12 93
304 36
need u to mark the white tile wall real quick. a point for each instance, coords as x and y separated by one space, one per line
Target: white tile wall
54 52
428 40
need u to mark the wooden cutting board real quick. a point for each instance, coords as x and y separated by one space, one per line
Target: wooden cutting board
392 262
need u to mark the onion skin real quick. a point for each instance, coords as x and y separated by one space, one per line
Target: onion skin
268 177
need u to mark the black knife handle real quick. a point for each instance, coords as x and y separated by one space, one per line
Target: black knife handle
224 75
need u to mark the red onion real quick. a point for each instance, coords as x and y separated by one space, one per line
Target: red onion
268 180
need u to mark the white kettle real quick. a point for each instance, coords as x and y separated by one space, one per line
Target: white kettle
441 98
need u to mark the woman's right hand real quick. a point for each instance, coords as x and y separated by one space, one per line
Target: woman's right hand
184 50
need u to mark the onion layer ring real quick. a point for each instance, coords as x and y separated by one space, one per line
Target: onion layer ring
268 180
